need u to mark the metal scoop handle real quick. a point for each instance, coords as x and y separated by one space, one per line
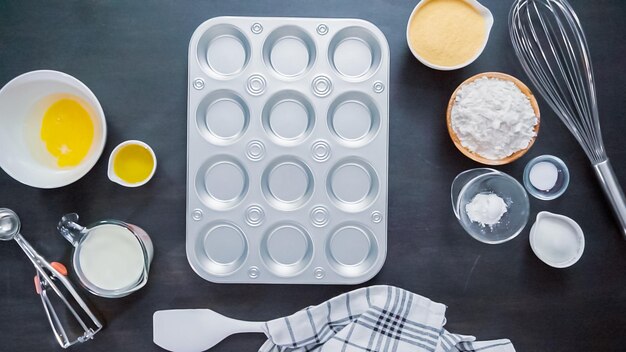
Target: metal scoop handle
43 268
613 191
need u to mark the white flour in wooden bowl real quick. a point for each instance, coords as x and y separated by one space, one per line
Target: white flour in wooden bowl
493 118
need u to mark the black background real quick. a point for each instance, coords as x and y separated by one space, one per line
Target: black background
133 56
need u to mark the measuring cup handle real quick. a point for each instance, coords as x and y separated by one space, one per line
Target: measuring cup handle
70 229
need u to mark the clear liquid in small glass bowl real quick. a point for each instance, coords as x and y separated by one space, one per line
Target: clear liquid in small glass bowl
472 182
560 183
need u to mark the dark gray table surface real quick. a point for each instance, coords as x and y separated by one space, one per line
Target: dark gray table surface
133 55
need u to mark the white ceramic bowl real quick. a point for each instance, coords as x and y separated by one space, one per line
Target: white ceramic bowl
111 173
563 237
488 24
23 102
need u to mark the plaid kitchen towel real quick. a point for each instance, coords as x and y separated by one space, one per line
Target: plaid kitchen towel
372 319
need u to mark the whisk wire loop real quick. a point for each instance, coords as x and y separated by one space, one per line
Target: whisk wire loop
549 41
551 46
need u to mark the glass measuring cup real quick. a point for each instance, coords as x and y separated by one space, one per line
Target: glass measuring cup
472 182
111 258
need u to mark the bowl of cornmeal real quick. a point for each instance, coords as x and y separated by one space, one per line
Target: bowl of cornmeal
52 129
448 34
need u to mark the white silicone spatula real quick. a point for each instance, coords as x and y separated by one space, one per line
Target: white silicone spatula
195 330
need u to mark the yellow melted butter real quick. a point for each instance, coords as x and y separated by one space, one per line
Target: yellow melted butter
447 32
67 131
133 163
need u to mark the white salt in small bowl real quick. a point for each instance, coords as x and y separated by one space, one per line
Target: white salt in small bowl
546 177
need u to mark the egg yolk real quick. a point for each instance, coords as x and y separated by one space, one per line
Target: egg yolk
67 131
133 163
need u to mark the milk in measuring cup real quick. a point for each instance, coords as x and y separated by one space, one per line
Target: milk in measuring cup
111 257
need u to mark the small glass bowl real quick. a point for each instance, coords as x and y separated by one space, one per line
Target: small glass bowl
562 180
486 181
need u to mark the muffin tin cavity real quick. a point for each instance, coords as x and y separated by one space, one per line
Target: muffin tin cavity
222 117
289 51
222 183
354 119
222 248
352 185
287 249
355 53
352 250
287 149
223 51
288 118
287 183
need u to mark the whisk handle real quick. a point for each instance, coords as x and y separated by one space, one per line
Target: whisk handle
613 191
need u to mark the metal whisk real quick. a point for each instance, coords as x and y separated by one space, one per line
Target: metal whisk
551 46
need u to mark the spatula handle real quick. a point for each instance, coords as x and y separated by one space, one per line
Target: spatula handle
613 191
241 326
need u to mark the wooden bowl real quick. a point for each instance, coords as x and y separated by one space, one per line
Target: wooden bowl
475 156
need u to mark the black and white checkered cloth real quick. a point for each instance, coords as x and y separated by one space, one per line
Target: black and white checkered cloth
372 319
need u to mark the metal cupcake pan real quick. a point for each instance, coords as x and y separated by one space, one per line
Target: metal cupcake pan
287 150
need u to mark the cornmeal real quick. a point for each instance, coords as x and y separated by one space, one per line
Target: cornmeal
447 32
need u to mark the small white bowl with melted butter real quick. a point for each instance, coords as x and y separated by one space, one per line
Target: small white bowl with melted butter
52 129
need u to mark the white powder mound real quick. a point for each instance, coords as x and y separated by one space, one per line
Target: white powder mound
486 209
493 118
